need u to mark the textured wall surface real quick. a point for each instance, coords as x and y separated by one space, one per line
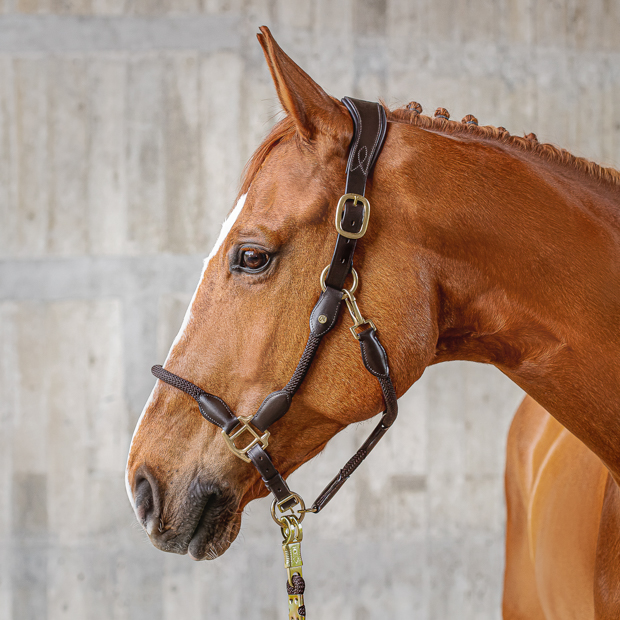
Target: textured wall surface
124 126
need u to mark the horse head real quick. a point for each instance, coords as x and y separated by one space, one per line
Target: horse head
247 324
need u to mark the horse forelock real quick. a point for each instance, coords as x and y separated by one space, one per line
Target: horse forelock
528 143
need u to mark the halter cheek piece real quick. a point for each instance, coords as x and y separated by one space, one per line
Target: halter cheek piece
352 217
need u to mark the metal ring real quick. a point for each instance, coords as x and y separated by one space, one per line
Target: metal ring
350 291
292 531
301 511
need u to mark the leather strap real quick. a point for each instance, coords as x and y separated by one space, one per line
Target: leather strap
370 125
271 477
376 362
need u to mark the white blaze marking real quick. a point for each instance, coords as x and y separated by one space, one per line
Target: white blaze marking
226 227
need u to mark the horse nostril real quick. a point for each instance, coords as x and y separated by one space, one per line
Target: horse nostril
147 499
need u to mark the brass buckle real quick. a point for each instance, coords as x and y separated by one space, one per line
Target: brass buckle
245 426
356 315
365 217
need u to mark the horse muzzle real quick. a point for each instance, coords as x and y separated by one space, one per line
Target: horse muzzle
201 518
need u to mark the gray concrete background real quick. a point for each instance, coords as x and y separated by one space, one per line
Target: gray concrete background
124 126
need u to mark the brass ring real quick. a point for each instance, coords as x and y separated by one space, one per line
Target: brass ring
351 290
301 511
292 531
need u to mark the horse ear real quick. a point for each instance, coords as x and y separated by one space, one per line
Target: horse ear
312 109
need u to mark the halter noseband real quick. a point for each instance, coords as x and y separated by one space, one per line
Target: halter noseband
352 217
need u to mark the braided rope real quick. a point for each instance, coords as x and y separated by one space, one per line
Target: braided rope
304 363
298 588
354 462
178 382
391 400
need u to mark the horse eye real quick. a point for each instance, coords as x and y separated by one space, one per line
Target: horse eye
253 259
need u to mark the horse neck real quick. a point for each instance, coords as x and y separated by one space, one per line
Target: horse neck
525 258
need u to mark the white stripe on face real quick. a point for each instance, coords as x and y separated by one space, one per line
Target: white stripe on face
226 228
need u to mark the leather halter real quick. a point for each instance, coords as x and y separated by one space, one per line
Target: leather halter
352 217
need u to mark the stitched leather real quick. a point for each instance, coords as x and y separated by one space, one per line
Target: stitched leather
215 410
373 353
387 419
270 475
328 306
370 125
271 409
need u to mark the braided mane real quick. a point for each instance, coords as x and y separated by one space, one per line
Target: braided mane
411 114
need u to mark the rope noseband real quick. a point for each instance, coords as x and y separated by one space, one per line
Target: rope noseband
352 218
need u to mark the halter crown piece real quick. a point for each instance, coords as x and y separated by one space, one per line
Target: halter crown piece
352 218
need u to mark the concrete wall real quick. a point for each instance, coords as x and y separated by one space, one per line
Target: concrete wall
124 126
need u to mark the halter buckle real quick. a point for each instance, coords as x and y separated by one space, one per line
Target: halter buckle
242 453
365 217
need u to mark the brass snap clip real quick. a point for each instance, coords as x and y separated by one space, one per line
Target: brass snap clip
356 315
295 586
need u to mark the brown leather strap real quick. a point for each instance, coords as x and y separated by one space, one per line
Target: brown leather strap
376 362
370 125
271 476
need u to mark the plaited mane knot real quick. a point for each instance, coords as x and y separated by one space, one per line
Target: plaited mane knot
415 107
442 113
470 119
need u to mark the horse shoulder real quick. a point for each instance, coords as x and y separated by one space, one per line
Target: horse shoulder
554 488
607 577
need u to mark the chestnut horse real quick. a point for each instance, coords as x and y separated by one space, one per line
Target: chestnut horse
482 246
562 534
